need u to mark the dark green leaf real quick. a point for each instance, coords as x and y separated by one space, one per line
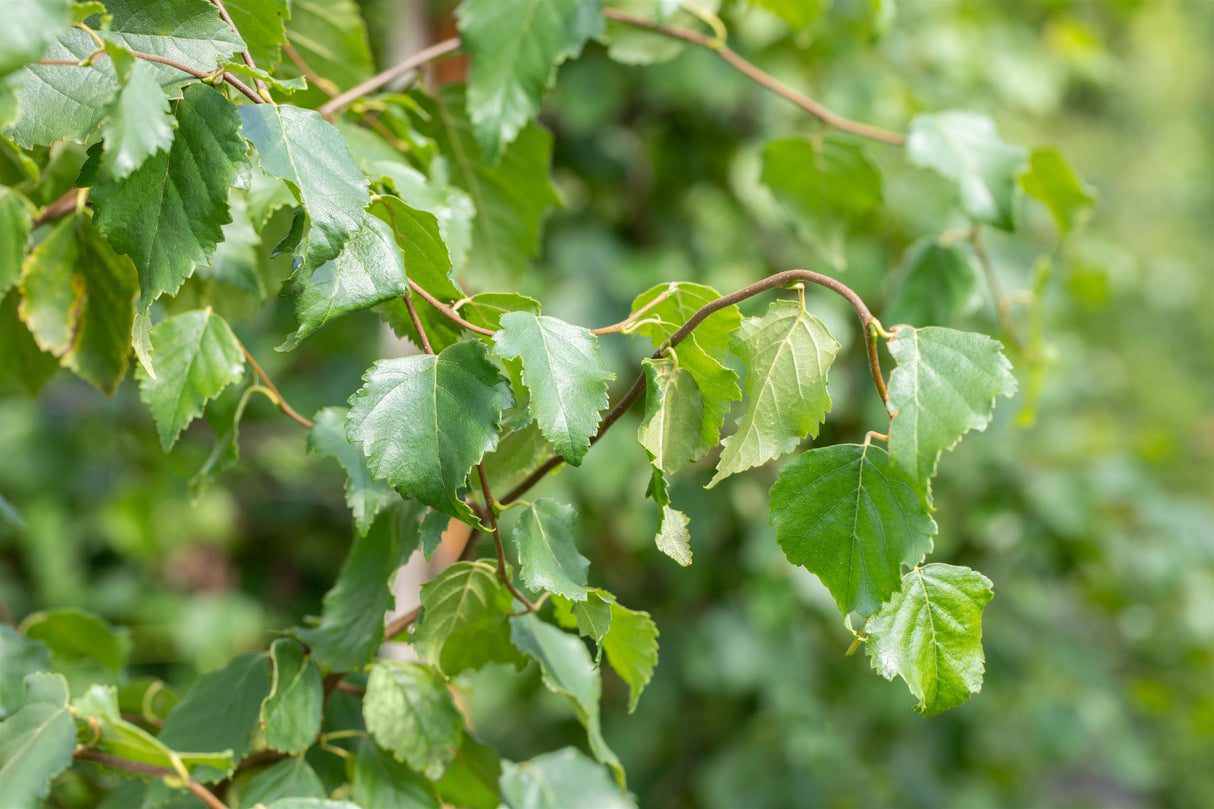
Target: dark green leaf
548 555
930 634
1053 182
517 454
463 621
452 207
425 421
36 743
291 713
817 176
73 634
471 780
22 361
289 778
15 223
381 782
565 779
409 711
366 497
19 656
937 285
261 26
853 520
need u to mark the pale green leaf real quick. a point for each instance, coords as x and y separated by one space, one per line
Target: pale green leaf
547 549
381 782
22 361
673 538
631 644
635 46
29 26
1053 182
799 14
937 284
168 214
564 374
291 713
787 354
425 421
78 300
820 176
514 47
565 779
139 124
674 413
196 356
365 496
409 711
299 146
311 803
141 342
567 669
19 656
289 778
463 621
847 516
944 385
965 148
36 745
237 260
930 634
15 224
73 634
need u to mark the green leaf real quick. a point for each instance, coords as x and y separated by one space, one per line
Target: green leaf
433 526
351 628
787 354
463 621
223 415
630 45
289 778
548 555
591 618
261 24
409 711
944 385
425 421
631 644
563 372
291 713
849 517
22 361
197 356
310 803
73 634
15 224
36 745
518 453
567 669
19 656
937 285
514 47
965 148
78 300
366 497
565 779
221 711
29 26
822 176
471 780
368 271
1053 182
331 38
674 413
511 197
486 309
168 214
799 14
673 538
139 123
380 782
299 146
930 634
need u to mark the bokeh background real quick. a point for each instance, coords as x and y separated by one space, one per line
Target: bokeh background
1089 502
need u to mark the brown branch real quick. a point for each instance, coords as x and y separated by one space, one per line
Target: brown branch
447 311
151 57
417 324
401 623
287 410
248 59
60 208
814 108
350 688
151 771
780 279
491 515
436 51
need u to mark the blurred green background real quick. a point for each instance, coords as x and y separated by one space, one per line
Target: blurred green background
1091 507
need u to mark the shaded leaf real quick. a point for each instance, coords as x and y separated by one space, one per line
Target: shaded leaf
937 285
463 621
365 496
36 742
291 713
548 555
19 656
381 782
817 176
409 711
15 223
471 780
261 24
73 634
565 779
674 413
289 778
331 38
631 644
22 361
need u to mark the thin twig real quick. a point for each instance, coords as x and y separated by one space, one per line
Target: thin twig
318 81
436 51
402 623
60 208
350 688
269 383
447 311
502 572
992 281
780 279
151 57
814 108
248 59
151 771
417 324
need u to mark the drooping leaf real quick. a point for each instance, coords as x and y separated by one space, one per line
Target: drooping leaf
168 214
15 223
78 300
631 644
433 526
409 711
425 421
365 496
567 669
514 47
937 284
351 627
299 146
261 24
220 712
674 413
22 361
463 621
381 782
944 385
196 356
565 779
73 634
930 634
848 516
1053 182
19 656
964 147
290 778
822 176
564 374
36 742
139 124
291 713
548 555
787 354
